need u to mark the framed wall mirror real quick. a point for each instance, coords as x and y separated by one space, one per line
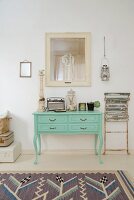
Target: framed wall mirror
25 69
68 59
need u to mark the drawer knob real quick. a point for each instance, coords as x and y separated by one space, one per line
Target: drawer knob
83 120
83 128
52 128
52 120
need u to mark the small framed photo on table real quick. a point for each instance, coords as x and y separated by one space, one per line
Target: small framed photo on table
82 106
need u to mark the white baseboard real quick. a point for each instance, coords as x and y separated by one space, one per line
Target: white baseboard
131 151
72 151
61 151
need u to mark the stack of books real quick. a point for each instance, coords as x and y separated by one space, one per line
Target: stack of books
116 107
6 136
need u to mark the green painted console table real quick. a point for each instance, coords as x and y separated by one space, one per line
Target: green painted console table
68 123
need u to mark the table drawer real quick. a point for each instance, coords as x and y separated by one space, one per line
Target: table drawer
52 128
84 127
52 119
84 118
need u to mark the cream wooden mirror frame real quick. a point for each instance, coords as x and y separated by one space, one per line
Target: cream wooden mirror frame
68 59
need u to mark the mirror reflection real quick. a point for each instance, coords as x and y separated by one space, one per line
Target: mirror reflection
68 59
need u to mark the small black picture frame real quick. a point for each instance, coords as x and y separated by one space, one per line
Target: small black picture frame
82 106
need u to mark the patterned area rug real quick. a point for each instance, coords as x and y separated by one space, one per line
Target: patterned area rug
66 186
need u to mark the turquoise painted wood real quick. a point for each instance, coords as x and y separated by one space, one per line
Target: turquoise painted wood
68 123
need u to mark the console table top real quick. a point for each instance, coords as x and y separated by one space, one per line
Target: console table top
96 112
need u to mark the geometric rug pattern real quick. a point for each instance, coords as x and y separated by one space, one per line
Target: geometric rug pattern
66 186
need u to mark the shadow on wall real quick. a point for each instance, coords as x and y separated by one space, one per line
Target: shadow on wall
20 128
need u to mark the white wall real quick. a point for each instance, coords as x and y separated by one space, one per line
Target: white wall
22 36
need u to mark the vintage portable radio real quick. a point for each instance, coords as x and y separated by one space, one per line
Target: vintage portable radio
55 103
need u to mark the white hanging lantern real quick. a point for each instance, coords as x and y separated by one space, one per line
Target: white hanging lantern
105 72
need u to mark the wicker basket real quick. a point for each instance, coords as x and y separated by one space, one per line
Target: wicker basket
4 125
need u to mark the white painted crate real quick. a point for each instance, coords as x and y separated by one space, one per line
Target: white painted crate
10 153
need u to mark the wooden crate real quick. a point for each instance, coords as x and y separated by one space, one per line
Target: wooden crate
4 125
